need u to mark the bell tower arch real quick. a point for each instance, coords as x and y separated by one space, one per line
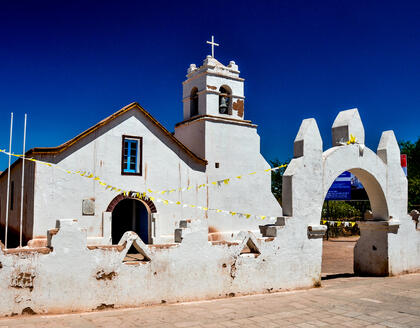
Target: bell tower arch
219 90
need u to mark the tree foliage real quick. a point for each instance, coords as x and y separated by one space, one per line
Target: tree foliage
336 209
277 179
412 150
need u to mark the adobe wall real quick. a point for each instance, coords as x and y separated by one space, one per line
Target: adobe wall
70 276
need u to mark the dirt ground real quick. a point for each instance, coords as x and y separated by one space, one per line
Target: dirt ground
337 256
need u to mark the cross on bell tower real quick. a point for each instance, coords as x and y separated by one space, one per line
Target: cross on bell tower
212 45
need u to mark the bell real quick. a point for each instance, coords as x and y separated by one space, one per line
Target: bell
223 107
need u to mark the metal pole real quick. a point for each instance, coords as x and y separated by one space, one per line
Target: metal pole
8 182
22 186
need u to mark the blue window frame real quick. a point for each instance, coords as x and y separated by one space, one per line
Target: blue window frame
131 155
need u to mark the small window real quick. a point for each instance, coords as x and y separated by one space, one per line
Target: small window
131 155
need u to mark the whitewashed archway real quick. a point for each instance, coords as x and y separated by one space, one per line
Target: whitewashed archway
312 171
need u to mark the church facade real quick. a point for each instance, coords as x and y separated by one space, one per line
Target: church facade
133 151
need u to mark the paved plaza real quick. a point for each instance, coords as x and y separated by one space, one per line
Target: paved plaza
337 256
340 302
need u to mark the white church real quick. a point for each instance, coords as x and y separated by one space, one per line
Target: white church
197 226
132 150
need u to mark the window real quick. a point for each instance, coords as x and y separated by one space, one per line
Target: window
131 155
194 102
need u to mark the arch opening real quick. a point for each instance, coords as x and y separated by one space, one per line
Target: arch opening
225 100
131 214
375 194
194 102
361 198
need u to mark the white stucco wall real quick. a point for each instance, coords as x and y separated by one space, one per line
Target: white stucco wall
234 146
78 278
60 195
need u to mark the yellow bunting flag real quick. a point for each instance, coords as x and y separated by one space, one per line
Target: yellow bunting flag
352 140
143 195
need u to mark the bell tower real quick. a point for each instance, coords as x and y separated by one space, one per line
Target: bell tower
213 125
214 128
213 89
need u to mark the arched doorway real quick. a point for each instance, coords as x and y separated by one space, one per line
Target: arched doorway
131 214
345 205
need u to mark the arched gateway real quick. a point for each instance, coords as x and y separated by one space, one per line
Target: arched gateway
312 171
131 214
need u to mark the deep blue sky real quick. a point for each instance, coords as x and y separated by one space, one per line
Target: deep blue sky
69 64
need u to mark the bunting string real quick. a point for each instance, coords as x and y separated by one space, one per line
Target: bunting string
144 196
339 223
87 174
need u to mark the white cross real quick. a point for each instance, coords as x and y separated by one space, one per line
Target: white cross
212 45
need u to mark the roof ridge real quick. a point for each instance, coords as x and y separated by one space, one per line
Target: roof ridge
133 105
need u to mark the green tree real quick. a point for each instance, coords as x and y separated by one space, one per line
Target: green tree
337 209
412 150
277 179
